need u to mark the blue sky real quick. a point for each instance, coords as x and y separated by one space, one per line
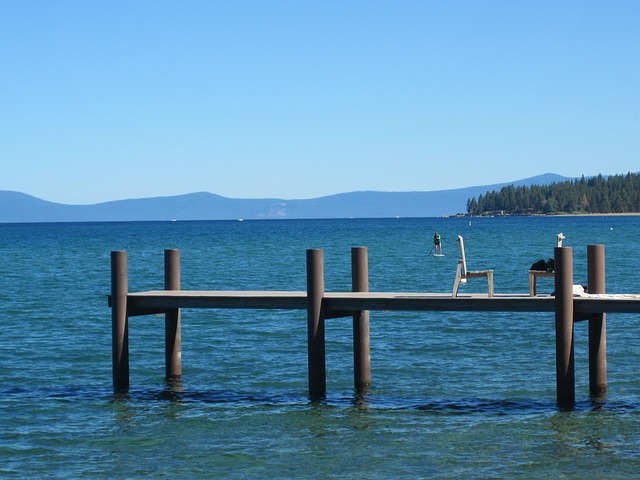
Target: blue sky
104 100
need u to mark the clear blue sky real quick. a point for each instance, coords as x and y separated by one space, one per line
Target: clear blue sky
104 100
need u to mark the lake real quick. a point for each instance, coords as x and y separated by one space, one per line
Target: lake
454 395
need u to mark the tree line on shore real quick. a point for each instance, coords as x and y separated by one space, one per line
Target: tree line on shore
611 194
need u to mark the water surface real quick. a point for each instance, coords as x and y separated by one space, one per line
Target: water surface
454 395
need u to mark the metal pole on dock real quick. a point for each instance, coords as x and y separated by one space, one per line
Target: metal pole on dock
315 323
565 373
173 338
597 324
119 320
361 336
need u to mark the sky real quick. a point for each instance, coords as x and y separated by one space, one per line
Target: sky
106 100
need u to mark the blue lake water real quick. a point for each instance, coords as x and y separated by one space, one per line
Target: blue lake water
454 395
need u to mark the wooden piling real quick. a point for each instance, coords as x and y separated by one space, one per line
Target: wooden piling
361 336
565 373
173 338
119 320
597 323
315 324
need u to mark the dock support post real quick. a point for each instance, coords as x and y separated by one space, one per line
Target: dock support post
315 324
119 320
565 373
597 324
173 339
361 336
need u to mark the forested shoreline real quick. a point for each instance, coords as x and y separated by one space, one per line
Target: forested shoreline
611 194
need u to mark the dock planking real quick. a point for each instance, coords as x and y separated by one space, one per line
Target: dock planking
141 302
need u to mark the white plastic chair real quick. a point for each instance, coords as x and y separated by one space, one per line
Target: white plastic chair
462 274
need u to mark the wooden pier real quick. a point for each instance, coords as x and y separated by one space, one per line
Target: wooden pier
321 305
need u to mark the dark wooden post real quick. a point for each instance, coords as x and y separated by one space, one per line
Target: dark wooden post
565 373
597 324
173 339
315 323
119 320
361 337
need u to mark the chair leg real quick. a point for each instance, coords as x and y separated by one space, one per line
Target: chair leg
456 283
490 282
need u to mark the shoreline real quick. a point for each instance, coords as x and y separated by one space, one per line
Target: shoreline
634 214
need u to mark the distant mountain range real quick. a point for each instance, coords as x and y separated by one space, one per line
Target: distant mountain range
16 207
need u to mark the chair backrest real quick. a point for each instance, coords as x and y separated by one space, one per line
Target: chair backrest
462 255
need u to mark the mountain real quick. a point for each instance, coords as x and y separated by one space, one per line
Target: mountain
16 207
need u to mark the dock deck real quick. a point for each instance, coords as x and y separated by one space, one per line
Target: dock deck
143 302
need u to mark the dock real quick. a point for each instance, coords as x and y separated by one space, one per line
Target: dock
358 303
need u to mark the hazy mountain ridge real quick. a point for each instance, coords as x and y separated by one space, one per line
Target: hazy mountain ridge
16 207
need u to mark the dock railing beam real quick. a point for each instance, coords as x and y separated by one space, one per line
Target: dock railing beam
315 324
173 339
119 320
597 324
361 336
565 370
